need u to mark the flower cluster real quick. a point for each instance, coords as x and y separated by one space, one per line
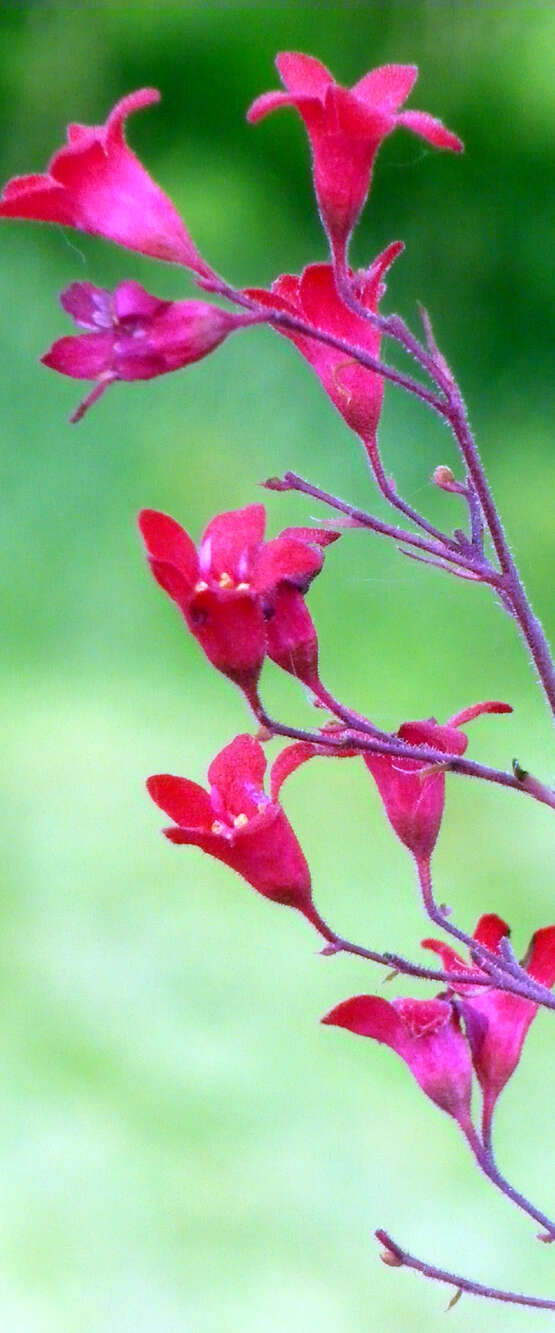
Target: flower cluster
242 596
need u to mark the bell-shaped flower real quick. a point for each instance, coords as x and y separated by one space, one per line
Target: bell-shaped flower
356 392
236 822
413 790
426 1035
242 597
96 183
132 335
345 127
497 1021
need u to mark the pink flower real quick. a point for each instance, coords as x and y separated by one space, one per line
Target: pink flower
95 183
426 1035
237 823
496 1022
134 336
242 597
413 792
356 392
346 127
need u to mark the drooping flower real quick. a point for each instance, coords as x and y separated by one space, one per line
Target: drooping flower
132 335
345 127
413 791
236 822
497 1021
242 597
96 183
356 392
426 1035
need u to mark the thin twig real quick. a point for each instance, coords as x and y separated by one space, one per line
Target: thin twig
395 1257
291 481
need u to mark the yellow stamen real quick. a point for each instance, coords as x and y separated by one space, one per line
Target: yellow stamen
240 821
225 580
217 827
201 586
243 587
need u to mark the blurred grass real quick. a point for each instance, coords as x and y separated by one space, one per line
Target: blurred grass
181 1147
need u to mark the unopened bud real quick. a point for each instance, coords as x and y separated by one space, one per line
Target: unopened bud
264 734
443 477
392 1260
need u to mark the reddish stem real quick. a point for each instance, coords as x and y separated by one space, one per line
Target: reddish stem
396 1257
483 1155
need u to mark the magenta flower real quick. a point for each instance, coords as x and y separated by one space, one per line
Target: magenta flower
356 392
413 792
95 183
496 1022
237 823
242 597
346 127
426 1035
134 336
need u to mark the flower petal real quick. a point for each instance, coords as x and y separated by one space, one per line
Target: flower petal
427 127
540 959
237 773
303 74
490 930
231 541
184 801
386 87
370 1016
167 541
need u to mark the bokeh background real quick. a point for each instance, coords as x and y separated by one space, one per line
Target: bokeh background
181 1146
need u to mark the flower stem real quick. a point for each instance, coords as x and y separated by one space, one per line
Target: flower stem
495 965
483 1155
338 742
360 518
396 1257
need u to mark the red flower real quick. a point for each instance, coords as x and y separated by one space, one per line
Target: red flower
413 792
346 127
242 597
97 184
497 1022
426 1035
238 824
356 392
134 336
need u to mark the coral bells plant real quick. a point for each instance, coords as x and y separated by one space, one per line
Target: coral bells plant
243 596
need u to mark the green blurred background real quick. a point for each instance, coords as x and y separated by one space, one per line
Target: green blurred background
181 1146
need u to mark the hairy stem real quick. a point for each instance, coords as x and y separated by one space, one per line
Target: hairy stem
497 967
476 565
396 1257
337 743
484 1157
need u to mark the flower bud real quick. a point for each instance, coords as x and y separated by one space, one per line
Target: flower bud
443 477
